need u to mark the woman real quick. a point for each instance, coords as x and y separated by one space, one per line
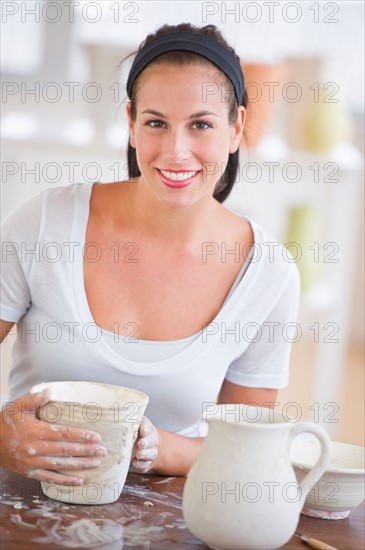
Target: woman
141 284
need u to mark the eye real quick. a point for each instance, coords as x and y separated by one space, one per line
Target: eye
154 123
202 125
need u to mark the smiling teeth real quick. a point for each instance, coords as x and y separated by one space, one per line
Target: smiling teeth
180 176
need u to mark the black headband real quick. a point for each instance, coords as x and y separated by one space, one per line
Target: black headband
187 41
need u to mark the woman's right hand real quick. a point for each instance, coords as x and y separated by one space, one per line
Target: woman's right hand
37 449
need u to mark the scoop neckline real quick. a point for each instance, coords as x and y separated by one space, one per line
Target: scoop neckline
101 347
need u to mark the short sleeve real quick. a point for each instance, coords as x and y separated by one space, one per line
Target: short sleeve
265 362
19 233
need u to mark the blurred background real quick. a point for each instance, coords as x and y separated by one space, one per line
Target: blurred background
301 162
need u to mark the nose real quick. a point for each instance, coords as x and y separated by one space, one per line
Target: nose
176 147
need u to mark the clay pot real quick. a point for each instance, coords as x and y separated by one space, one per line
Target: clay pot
115 413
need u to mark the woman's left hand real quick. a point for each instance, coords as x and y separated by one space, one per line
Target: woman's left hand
145 450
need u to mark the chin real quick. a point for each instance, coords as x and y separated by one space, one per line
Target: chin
186 200
178 202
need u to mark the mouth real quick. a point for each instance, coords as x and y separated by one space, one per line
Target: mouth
177 180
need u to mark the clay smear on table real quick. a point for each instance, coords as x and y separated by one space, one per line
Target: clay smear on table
57 523
170 499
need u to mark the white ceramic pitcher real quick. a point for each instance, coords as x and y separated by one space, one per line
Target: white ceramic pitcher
241 492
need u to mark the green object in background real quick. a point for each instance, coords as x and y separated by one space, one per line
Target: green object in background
303 237
326 123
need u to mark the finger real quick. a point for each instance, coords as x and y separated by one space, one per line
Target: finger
141 466
44 448
54 477
58 432
145 427
147 454
29 403
32 401
150 440
67 463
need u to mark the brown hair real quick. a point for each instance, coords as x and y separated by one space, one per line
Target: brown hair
228 178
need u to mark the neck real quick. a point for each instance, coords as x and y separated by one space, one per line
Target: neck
180 228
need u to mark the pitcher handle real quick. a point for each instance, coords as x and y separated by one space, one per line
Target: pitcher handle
318 469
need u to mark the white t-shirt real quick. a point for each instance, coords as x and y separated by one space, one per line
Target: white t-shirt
42 289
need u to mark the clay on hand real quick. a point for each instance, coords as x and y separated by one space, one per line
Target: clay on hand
38 449
145 450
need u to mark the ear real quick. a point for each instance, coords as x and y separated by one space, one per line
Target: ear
237 130
130 125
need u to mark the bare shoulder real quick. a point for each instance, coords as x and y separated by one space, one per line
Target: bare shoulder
236 227
106 194
108 188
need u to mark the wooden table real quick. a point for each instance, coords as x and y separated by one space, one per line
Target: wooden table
32 521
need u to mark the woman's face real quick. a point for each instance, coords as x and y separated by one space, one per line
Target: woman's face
181 134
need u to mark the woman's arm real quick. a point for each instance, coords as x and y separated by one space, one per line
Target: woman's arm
176 453
5 327
233 393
